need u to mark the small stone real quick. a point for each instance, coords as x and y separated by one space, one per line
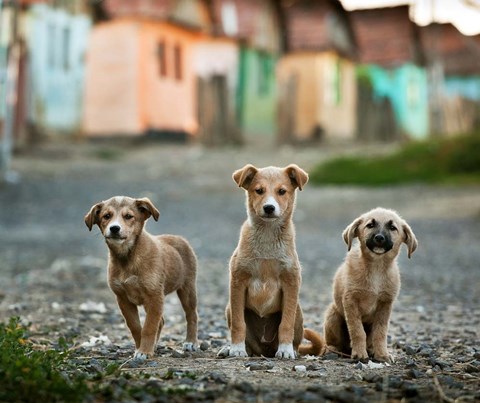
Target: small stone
215 343
330 356
204 345
244 387
414 373
177 354
470 369
259 366
410 350
300 368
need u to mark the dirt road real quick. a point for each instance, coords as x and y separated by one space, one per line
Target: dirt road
52 274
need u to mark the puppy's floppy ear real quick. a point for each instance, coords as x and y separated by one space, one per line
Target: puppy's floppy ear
244 176
410 239
93 216
351 232
297 175
147 208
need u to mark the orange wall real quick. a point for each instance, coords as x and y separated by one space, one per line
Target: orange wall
111 105
125 92
167 103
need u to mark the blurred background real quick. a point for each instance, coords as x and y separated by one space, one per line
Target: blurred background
251 72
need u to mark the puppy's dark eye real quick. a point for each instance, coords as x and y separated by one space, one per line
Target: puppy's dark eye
259 191
107 216
128 216
281 192
392 227
370 225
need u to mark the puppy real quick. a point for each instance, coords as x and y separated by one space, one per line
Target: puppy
143 268
263 314
366 285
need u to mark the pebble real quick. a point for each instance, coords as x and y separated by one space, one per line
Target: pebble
204 345
259 366
410 350
215 343
300 368
330 356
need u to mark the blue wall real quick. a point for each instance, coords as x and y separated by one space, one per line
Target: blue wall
56 42
466 87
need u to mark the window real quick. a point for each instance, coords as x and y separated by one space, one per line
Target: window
177 55
66 49
51 46
162 59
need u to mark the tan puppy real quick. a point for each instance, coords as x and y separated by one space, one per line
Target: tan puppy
263 314
366 285
143 268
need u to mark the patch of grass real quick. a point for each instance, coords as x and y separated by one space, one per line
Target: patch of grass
108 154
31 375
448 160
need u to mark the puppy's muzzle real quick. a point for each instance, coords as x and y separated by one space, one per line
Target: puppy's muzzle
269 209
114 232
379 243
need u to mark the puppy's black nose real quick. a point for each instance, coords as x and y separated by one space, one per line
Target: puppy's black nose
115 229
269 208
379 239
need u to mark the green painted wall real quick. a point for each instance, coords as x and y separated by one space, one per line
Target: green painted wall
256 96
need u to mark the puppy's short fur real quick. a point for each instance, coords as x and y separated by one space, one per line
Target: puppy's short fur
366 285
143 268
263 314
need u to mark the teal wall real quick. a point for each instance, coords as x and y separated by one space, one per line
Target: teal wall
256 96
407 89
56 44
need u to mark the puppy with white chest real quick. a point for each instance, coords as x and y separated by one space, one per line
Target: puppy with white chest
366 285
263 314
143 268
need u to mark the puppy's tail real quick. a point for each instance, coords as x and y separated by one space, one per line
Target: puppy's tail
316 346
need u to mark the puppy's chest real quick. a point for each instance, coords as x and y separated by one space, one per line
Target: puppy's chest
130 287
377 289
264 289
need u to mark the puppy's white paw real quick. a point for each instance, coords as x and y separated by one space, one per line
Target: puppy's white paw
285 351
237 350
140 356
189 347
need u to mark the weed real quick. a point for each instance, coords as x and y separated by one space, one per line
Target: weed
433 161
30 375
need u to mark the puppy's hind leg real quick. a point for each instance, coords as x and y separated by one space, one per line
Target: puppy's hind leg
188 298
335 330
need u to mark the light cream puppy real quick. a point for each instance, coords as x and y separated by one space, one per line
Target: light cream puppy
264 314
366 285
143 268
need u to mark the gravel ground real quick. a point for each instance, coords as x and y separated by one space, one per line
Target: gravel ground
53 275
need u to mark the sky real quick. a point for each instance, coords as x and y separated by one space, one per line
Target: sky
464 14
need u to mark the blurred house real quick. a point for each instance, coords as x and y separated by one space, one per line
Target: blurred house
393 85
154 67
255 25
453 60
316 76
56 40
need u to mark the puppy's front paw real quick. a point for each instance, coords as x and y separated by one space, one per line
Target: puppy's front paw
384 357
189 347
235 350
359 354
238 350
141 356
285 351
